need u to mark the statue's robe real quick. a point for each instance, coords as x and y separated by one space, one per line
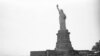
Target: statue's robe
62 21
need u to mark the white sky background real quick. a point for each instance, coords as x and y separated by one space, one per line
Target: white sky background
32 25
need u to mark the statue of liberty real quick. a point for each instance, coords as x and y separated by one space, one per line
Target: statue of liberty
62 18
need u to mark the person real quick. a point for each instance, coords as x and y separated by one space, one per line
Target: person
62 18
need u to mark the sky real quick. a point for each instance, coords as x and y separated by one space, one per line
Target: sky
32 25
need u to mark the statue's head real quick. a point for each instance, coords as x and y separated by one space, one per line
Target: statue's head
61 10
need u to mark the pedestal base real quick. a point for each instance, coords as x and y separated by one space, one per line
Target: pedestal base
63 41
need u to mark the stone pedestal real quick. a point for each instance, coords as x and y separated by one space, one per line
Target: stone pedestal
63 41
63 46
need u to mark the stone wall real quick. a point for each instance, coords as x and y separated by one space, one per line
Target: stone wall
38 53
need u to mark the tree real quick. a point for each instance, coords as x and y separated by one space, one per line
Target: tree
96 47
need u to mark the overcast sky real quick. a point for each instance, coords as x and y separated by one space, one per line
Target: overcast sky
32 25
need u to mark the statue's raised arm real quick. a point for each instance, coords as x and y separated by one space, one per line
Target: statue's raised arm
61 13
57 7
